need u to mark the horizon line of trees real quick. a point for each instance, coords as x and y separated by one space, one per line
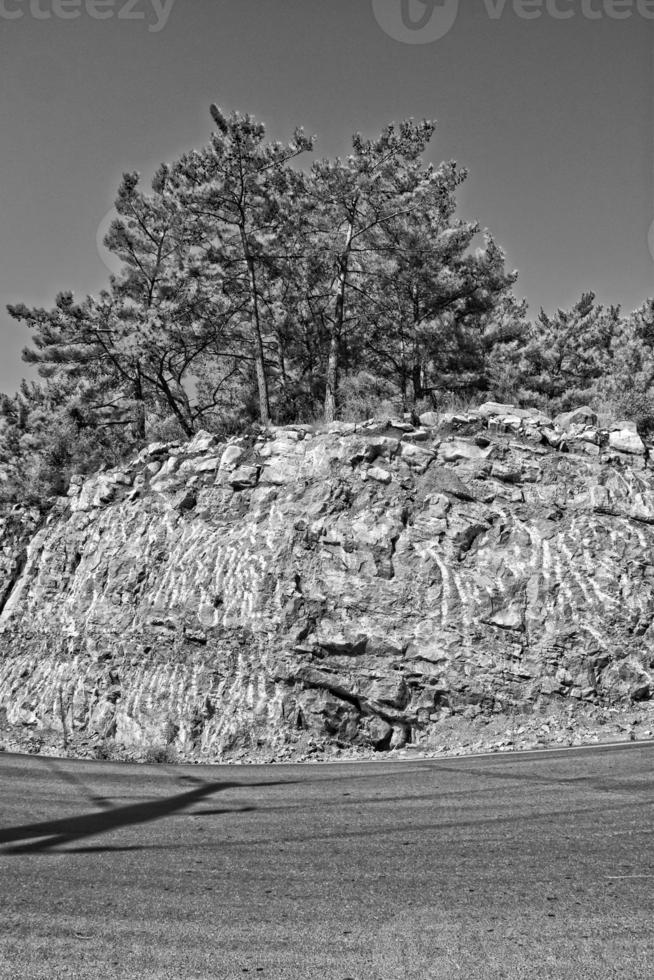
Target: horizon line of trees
255 289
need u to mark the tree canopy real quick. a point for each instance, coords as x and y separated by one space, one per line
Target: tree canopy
260 284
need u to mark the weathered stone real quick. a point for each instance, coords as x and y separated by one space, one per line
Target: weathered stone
589 448
318 606
390 690
505 423
443 480
642 691
459 421
489 409
281 447
169 466
552 437
601 500
202 442
512 415
580 416
400 737
157 449
207 465
550 685
343 428
417 456
454 449
641 507
507 474
381 447
243 477
510 618
279 471
184 500
199 464
624 425
379 474
290 433
418 435
346 643
379 733
626 441
231 457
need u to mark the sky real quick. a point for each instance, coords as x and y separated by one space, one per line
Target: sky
547 103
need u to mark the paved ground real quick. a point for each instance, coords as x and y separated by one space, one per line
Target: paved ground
520 867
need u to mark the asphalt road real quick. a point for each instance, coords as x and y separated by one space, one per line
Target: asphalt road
515 866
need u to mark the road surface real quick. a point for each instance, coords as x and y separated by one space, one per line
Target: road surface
509 866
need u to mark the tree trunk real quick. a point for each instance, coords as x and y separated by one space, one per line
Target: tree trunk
403 370
331 388
186 424
332 378
405 403
417 379
259 357
138 426
417 375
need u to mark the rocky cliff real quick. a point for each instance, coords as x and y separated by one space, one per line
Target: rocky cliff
355 585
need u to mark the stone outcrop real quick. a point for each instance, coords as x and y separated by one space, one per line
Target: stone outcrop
358 584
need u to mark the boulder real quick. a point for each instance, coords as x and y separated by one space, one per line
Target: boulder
490 409
230 458
417 456
580 416
201 442
243 477
626 441
461 449
624 425
379 475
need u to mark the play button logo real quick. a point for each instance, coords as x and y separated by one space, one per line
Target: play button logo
416 21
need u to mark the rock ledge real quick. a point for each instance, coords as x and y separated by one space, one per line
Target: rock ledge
353 587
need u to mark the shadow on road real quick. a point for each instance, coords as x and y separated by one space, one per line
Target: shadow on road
48 834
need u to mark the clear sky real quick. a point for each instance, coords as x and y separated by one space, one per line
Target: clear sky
553 117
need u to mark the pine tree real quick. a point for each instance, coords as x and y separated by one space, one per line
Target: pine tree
569 352
175 334
627 386
349 202
390 279
236 194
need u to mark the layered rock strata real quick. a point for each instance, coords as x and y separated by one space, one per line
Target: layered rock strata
361 583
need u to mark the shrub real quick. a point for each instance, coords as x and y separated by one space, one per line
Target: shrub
161 754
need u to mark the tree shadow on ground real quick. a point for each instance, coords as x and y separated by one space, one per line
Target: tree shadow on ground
49 834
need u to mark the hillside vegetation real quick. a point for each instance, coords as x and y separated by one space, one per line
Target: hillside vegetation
259 284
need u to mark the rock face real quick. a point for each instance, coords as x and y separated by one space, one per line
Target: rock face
358 583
